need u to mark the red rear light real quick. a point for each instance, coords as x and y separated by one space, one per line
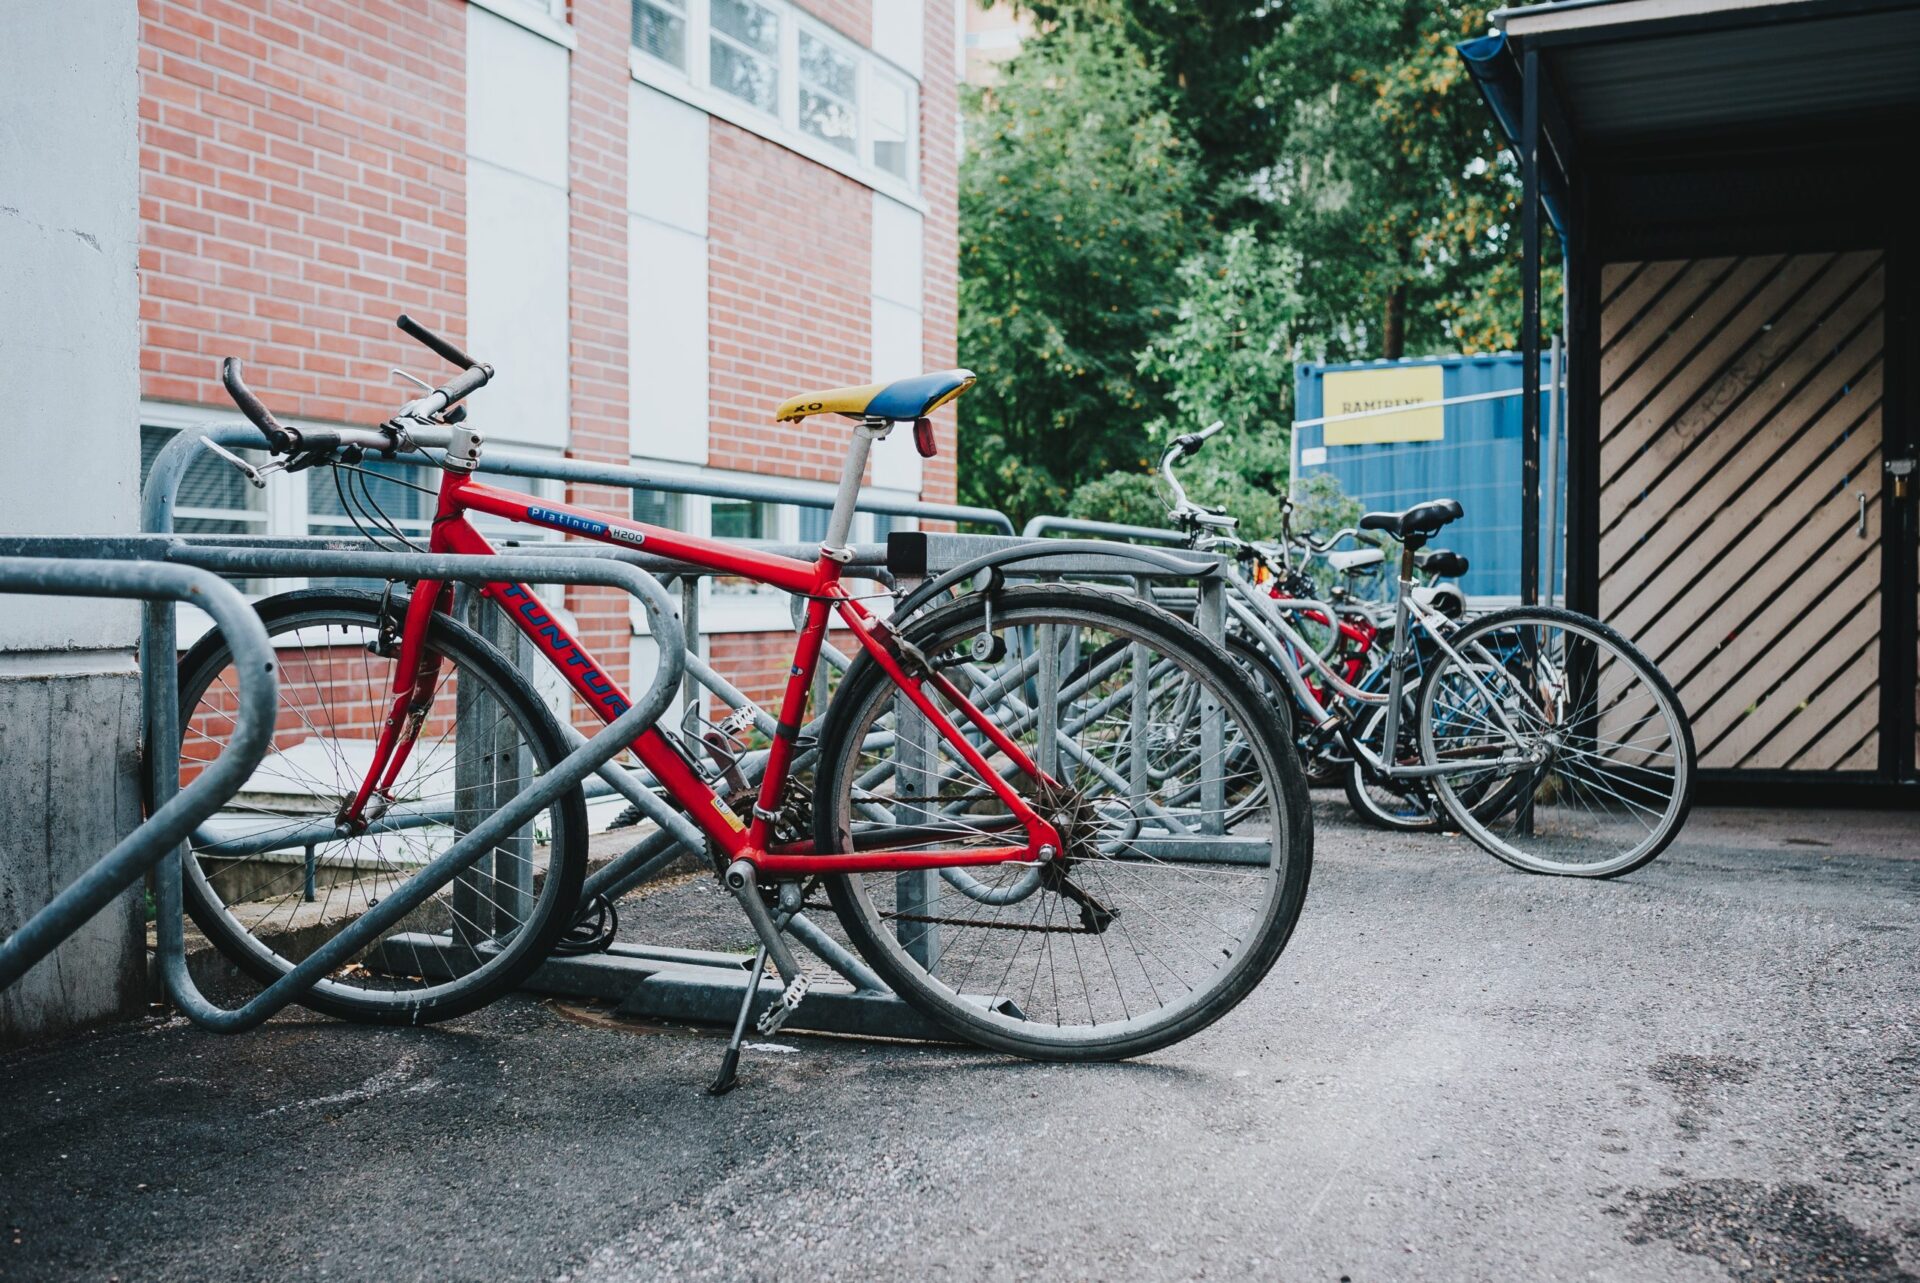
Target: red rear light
923 438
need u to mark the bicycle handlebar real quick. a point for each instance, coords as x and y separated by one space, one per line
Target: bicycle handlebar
284 440
446 350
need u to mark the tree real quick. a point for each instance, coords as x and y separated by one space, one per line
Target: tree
1078 202
1226 357
1398 191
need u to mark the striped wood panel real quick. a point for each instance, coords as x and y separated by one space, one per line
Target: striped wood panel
1739 427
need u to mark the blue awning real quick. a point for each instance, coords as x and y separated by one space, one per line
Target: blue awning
1498 76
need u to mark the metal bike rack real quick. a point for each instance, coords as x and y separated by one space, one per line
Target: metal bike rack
144 573
169 825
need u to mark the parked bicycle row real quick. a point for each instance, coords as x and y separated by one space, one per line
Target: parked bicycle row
1540 732
1058 820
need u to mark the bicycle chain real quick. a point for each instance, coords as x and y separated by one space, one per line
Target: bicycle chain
970 922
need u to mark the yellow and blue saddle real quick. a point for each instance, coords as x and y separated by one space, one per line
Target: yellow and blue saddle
900 401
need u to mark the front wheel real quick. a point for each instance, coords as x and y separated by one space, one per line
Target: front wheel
1572 729
1187 833
272 877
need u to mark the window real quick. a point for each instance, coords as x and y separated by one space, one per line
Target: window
660 508
889 125
381 507
660 30
744 519
829 93
813 524
379 497
770 67
215 498
744 49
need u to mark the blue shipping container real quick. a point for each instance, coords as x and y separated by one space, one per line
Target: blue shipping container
1477 461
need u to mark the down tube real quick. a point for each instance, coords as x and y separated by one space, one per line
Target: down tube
583 672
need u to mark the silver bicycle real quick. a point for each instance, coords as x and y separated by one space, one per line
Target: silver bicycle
1547 737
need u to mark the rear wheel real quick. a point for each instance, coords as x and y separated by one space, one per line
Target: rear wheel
270 878
1158 917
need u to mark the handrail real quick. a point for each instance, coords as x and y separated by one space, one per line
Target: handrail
157 501
181 813
1039 526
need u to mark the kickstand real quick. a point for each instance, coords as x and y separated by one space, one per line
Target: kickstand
730 1063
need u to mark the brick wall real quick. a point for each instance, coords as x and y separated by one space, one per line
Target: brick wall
302 182
597 300
789 310
939 186
851 18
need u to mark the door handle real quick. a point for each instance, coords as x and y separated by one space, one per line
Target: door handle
1863 514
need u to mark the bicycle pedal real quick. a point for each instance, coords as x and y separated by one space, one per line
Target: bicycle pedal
785 1005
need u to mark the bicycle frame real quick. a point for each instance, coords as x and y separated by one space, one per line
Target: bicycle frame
739 838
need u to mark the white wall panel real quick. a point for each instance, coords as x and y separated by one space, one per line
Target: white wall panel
896 355
516 98
898 252
517 229
897 34
667 160
667 341
517 303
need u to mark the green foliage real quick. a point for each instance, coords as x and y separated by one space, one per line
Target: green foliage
1078 202
1167 203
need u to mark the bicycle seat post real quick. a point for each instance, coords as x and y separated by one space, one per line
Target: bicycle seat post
840 522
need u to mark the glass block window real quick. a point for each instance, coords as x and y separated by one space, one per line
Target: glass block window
744 52
660 30
657 508
829 92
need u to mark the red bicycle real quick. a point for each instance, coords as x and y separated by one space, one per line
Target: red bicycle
1016 803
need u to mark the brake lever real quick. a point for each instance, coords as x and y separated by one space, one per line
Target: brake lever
258 476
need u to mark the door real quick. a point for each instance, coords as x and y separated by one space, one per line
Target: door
1740 497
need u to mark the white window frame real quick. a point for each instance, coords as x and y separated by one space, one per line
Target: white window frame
693 85
877 71
546 18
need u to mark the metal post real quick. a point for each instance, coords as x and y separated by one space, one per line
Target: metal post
1046 710
1140 725
1530 328
1211 618
915 892
1553 469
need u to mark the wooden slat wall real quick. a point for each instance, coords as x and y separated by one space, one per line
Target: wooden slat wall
1739 426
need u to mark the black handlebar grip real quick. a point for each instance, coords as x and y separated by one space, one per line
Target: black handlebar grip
465 385
279 439
446 350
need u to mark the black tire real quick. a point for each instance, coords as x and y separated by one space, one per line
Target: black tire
1264 673
380 994
1420 811
1570 798
1279 885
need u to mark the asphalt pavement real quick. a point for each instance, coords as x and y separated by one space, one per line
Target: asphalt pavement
1708 1070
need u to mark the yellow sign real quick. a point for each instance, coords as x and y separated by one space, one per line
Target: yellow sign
1371 391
